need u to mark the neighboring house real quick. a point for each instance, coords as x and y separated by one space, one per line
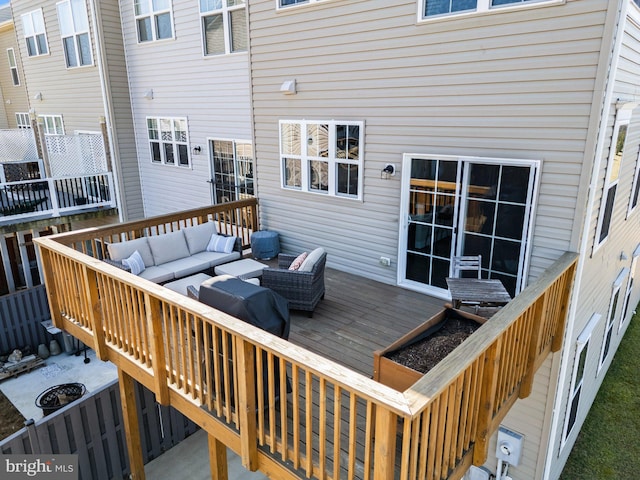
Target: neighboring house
510 130
189 80
14 101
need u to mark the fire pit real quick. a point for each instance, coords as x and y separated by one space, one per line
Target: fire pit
56 397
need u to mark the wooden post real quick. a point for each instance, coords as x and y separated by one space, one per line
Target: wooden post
246 401
95 312
156 340
487 402
131 424
50 285
385 444
105 141
218 459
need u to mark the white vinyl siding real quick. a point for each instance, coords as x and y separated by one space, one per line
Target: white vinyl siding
13 66
52 124
74 31
322 156
437 8
153 20
168 141
34 33
224 26
23 120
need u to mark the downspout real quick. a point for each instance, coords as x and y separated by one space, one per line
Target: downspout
108 107
565 362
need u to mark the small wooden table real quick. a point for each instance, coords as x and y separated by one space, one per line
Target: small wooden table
485 292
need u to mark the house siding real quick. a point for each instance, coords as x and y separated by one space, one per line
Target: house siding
17 95
211 92
74 93
516 84
606 262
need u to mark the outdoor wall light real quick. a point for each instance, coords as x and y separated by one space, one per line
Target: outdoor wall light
288 87
197 149
38 96
148 94
389 170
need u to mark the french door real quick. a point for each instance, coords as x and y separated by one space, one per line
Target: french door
464 206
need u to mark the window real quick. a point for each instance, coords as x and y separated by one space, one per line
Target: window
34 33
627 294
52 124
613 174
577 378
434 8
168 141
635 189
13 66
322 157
74 30
613 307
153 20
224 26
233 170
23 120
288 3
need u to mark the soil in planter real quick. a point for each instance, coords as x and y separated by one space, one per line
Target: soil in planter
11 420
423 355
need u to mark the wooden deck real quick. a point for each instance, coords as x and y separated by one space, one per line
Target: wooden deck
357 317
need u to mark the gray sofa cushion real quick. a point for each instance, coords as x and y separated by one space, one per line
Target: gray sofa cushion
121 250
217 258
168 247
158 274
311 260
198 236
186 266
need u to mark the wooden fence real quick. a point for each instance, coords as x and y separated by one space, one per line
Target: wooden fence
20 316
92 428
228 376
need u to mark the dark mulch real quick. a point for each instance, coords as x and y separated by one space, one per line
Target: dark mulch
423 355
11 420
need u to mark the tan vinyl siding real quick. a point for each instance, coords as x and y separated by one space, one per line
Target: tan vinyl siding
74 93
211 92
16 95
516 84
122 121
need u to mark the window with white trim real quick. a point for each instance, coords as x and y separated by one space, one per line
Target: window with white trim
322 157
232 170
613 308
74 31
13 66
627 293
612 176
289 3
437 8
577 377
224 26
23 120
153 20
52 124
34 33
635 188
168 140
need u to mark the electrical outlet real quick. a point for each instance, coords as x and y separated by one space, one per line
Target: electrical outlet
385 261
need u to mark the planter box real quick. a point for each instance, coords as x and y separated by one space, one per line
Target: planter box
401 377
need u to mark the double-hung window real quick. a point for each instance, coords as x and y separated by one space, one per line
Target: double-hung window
612 176
74 30
322 157
13 66
23 120
577 378
627 294
34 33
613 308
168 141
233 170
52 124
153 20
224 26
433 8
635 188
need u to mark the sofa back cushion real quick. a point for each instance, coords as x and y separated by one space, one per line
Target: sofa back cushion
198 236
311 260
168 247
121 250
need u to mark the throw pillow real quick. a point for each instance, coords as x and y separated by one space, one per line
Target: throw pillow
295 265
135 263
220 243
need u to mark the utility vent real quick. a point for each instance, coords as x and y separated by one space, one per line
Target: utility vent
477 473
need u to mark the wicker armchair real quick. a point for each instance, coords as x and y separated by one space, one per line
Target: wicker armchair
303 289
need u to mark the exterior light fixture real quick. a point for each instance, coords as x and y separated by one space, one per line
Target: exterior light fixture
38 96
288 87
148 94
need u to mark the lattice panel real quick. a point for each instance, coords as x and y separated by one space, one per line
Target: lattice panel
76 154
17 145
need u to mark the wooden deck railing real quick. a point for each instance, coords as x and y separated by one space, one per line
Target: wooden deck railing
319 420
